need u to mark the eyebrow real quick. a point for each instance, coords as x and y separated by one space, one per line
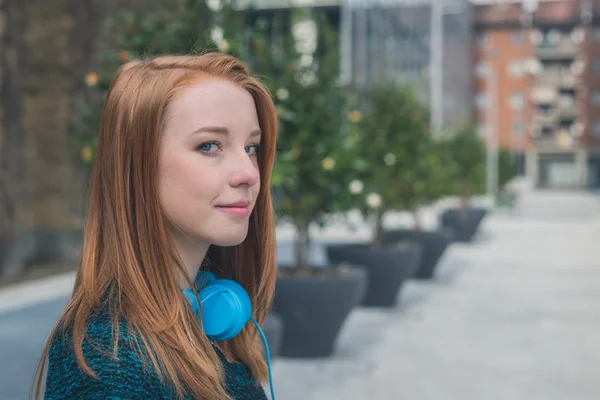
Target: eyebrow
221 131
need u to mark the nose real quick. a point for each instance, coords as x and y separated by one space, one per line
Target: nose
245 171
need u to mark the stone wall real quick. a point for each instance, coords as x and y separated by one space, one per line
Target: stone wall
46 47
14 219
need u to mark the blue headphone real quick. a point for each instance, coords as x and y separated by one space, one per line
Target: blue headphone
226 309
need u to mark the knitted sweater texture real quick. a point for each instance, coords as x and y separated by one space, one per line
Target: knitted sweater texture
125 376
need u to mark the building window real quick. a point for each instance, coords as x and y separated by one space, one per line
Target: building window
578 35
482 130
481 39
596 98
577 67
577 129
516 100
536 37
543 131
517 129
540 131
596 129
553 37
481 100
532 66
449 100
515 68
596 66
481 69
516 37
567 100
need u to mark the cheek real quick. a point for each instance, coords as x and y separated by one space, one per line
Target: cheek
256 190
181 182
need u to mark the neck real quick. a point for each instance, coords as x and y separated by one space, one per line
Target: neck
192 253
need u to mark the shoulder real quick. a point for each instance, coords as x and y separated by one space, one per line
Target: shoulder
120 372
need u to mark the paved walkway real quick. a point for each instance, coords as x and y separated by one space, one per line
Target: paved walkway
514 316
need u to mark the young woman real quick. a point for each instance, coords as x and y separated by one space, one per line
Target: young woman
180 186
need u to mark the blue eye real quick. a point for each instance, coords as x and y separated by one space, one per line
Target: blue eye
209 147
254 149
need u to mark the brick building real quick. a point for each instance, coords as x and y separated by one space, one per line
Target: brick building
537 86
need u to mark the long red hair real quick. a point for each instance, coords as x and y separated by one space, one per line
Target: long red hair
127 250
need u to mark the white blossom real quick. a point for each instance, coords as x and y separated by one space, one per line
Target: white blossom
389 159
306 60
223 46
216 34
306 78
282 94
374 200
356 186
214 5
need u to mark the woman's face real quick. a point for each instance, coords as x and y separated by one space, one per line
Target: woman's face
208 176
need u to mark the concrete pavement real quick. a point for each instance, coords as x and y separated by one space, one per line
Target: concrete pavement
513 316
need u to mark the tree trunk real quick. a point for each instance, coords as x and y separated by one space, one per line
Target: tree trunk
12 140
416 219
377 228
302 245
465 196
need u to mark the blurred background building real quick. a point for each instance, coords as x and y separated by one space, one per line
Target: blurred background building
421 43
530 78
537 86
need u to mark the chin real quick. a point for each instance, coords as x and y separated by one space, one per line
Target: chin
230 240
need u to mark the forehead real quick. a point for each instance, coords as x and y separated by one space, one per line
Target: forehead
212 100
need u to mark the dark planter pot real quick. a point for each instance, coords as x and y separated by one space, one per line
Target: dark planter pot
387 268
273 330
464 225
314 309
434 245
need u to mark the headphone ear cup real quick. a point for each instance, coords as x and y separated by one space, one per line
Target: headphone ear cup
226 308
191 298
244 305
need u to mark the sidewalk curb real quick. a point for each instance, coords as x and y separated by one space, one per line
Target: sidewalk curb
29 293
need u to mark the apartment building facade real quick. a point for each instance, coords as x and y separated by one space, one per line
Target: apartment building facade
536 82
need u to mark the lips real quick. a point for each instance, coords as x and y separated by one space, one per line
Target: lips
239 208
237 204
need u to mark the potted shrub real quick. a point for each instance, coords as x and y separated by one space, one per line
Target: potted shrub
311 174
273 329
392 129
464 154
425 183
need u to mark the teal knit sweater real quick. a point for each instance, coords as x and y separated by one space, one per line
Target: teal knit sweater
124 377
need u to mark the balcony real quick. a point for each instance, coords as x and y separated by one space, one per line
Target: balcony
558 78
549 78
568 110
568 81
561 140
563 50
568 113
544 95
548 118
